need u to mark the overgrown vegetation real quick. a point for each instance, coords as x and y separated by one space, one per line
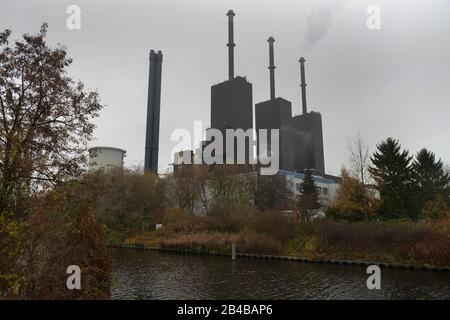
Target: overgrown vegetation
269 233
45 125
244 209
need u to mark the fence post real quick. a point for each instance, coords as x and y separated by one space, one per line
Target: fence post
233 251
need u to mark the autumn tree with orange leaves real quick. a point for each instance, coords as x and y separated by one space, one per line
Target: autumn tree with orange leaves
45 125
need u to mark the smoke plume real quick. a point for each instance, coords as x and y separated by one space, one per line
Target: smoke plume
319 22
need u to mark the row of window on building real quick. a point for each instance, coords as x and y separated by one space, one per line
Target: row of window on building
299 188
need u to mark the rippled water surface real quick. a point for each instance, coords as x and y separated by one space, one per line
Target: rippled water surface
141 274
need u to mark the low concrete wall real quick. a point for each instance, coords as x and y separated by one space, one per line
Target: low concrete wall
286 258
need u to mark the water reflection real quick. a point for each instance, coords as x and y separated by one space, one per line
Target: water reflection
153 275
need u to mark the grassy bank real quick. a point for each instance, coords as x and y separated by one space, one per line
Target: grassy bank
425 243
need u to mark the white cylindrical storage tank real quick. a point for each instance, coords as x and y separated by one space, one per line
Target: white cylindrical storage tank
106 158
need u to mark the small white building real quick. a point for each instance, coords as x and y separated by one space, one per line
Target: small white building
327 186
106 158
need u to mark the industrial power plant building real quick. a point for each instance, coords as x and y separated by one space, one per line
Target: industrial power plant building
300 137
232 100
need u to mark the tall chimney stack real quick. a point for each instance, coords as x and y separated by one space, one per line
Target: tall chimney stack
153 112
271 40
303 84
230 44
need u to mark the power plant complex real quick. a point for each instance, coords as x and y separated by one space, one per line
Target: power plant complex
300 137
300 146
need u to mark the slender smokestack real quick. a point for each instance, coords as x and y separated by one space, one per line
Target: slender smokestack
303 84
230 44
153 111
271 40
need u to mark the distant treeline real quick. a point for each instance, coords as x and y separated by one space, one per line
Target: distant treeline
406 187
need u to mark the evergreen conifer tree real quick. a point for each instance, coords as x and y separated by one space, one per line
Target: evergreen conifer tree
309 199
430 179
391 170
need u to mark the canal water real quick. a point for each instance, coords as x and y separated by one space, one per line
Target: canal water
139 274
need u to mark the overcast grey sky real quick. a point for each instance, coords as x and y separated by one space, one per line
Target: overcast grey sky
389 82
